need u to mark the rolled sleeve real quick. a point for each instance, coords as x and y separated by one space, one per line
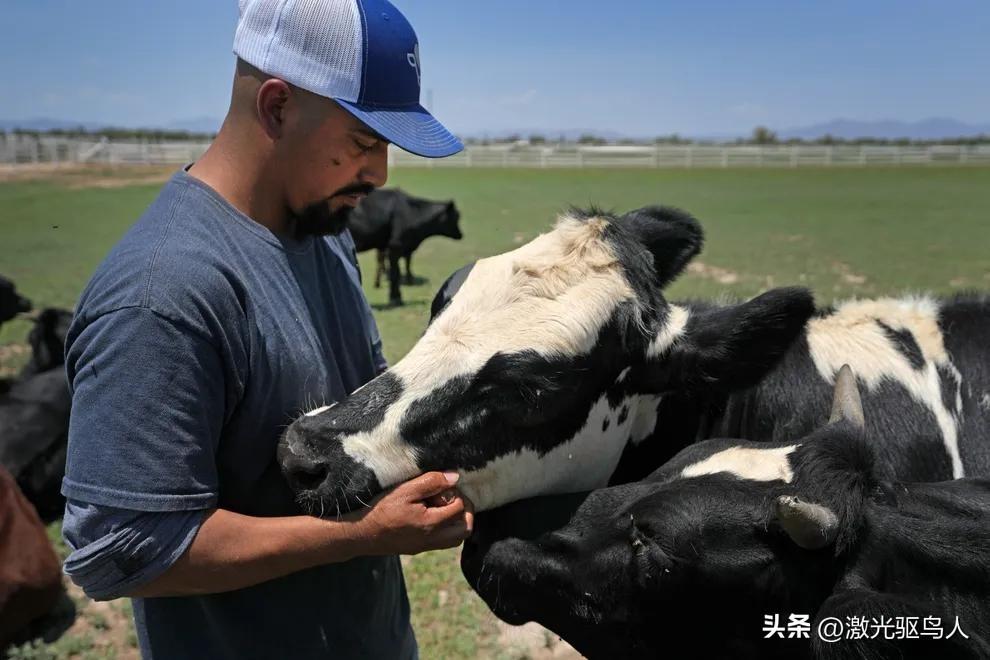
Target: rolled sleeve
147 412
115 551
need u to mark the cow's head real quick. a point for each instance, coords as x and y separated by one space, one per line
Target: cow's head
47 338
11 302
538 366
438 218
725 533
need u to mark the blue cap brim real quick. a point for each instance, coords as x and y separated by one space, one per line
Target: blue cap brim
411 128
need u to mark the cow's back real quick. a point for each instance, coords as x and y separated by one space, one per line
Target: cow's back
370 223
921 372
965 325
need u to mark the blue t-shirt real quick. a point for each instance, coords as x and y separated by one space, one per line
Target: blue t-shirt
198 339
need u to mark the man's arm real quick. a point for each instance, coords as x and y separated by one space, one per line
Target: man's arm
234 551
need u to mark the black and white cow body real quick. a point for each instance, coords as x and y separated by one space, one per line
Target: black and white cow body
395 224
730 533
924 369
535 376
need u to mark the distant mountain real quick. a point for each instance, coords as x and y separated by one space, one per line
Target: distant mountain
196 125
193 125
935 128
46 124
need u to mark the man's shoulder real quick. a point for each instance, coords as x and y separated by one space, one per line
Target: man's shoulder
172 261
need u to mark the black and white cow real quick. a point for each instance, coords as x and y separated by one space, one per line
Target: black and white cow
395 223
11 302
731 536
542 368
924 363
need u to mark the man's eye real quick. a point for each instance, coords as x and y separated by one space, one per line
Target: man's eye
364 148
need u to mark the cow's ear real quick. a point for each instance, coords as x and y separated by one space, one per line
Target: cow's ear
672 236
724 348
448 289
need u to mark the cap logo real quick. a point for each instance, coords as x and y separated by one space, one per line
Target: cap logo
413 59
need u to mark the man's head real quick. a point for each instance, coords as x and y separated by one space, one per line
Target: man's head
326 85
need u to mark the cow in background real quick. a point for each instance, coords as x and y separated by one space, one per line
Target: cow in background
34 416
730 534
395 223
11 302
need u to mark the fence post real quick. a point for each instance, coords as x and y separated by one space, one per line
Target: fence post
580 158
794 155
725 156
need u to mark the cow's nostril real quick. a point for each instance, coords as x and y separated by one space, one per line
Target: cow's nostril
304 475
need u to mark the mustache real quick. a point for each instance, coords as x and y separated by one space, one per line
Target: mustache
354 189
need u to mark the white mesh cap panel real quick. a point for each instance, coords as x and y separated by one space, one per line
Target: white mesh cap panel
314 44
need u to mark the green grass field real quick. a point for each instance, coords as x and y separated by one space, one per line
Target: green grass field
842 232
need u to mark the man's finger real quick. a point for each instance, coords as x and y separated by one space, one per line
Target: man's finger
441 499
439 515
428 484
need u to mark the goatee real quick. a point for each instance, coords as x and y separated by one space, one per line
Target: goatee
318 220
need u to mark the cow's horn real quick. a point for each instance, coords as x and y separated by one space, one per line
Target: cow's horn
846 404
811 526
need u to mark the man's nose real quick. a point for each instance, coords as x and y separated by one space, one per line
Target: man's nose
375 170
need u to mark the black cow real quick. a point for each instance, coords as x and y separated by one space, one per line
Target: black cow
11 302
395 223
34 417
737 549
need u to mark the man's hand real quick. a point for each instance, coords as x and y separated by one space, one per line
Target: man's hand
424 513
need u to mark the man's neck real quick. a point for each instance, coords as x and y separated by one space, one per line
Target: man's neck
240 172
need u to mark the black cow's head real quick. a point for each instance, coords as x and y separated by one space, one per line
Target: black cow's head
47 339
538 366
11 303
694 557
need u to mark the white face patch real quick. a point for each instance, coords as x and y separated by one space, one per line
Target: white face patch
851 336
751 463
584 462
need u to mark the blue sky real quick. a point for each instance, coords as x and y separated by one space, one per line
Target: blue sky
639 67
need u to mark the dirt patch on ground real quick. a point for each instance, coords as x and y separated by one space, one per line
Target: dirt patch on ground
846 274
12 355
533 642
708 272
88 176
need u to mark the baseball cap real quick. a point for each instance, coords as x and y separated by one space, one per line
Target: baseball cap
362 53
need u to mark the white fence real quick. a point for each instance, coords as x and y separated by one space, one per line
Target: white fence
16 149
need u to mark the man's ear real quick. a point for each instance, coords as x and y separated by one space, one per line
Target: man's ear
273 95
672 236
725 347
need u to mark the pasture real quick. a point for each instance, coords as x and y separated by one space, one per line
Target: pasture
842 232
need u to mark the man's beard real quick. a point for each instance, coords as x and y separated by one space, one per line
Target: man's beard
318 219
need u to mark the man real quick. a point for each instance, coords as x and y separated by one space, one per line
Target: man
230 306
